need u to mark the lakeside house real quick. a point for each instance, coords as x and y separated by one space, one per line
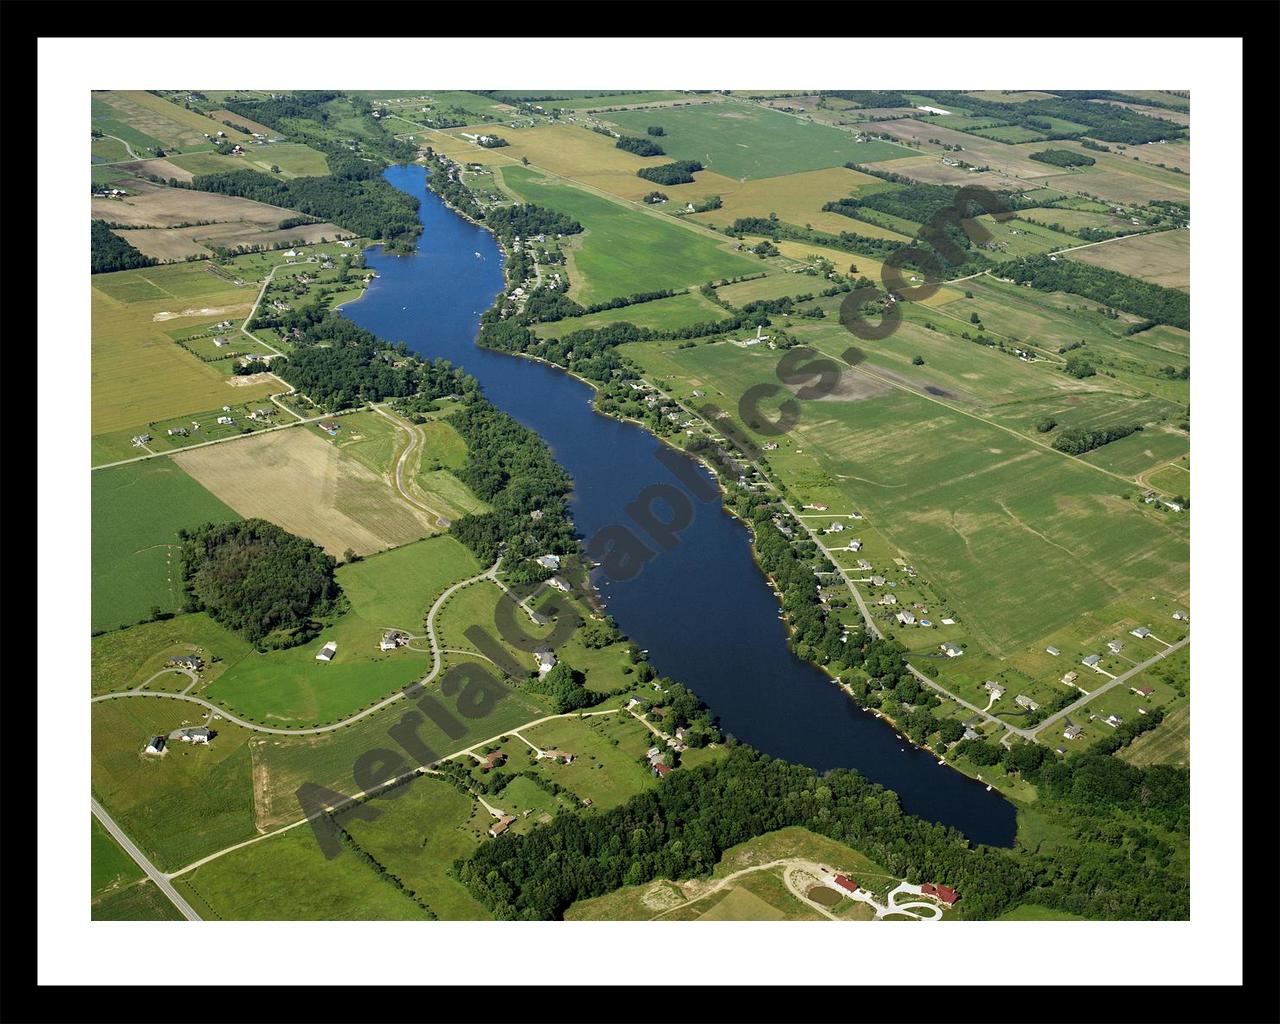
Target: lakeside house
559 584
548 561
327 651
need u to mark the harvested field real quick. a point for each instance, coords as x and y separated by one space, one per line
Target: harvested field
932 170
976 150
298 481
173 126
1015 96
164 168
173 244
240 119
1181 117
1163 258
796 199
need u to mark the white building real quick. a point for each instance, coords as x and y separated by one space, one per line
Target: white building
327 651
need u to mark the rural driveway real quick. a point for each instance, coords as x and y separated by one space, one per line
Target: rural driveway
154 873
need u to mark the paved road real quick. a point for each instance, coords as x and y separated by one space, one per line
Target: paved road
490 573
154 873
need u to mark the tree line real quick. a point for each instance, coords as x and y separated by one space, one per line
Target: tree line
108 252
1152 301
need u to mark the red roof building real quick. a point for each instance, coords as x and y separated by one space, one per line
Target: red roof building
847 884
944 893
662 769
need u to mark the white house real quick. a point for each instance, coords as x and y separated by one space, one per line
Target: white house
1140 632
545 659
1091 660
950 650
548 561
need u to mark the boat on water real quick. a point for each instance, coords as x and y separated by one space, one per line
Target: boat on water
479 256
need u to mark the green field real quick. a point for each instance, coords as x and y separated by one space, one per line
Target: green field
137 511
393 589
744 140
141 901
294 159
661 315
958 495
624 251
110 867
184 804
288 878
125 658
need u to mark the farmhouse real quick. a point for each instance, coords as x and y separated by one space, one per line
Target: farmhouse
1070 677
545 659
1140 632
155 745
1071 731
1091 660
188 661
501 825
1144 691
330 427
943 893
199 734
494 759
950 650
327 651
391 639
549 561
847 885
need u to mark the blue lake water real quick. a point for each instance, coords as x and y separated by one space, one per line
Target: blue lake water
703 610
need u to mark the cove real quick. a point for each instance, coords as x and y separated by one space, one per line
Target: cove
703 610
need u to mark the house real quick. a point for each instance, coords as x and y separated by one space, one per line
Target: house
817 506
1052 650
141 439
155 745
661 770
855 544
970 733
847 885
863 564
545 659
327 651
226 421
993 688
559 584
501 825
906 618
1144 691
950 650
177 431
889 599
548 561
561 756
834 528
494 759
200 734
1023 701
187 661
1070 732
652 755
221 342
391 639
943 893
877 581
1069 678
1114 646
1113 720
1180 616
1140 632
772 446
330 427
1091 660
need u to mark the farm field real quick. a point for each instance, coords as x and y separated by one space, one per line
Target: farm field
662 314
288 878
392 590
796 199
900 457
111 869
976 150
295 160
145 120
624 251
299 481
141 901
137 512
139 375
1163 258
742 141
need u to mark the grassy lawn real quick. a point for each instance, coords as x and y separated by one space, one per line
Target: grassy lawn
606 767
288 878
418 837
184 804
624 250
742 140
110 867
125 658
390 590
662 315
137 511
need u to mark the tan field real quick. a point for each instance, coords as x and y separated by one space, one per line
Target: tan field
795 198
161 167
139 375
1181 117
172 125
1163 258
171 244
976 150
997 96
297 480
228 115
932 170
